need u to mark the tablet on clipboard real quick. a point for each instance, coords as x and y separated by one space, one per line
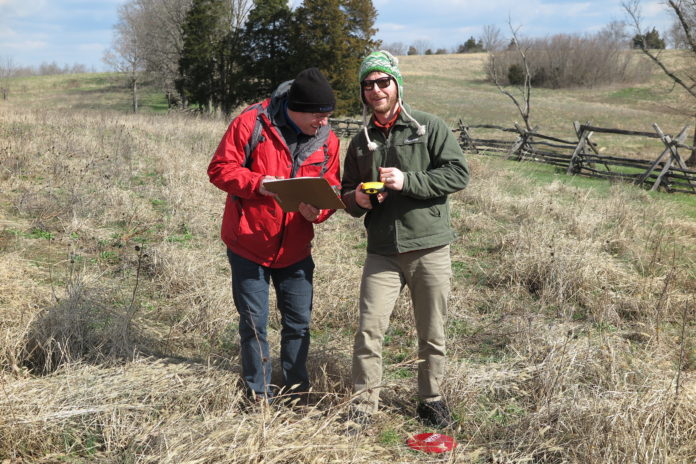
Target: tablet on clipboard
315 191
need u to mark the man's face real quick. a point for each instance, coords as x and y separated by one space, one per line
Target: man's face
309 123
382 100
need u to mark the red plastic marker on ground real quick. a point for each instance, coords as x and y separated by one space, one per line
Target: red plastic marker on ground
431 442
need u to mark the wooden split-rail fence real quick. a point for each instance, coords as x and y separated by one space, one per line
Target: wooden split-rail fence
346 127
583 157
667 172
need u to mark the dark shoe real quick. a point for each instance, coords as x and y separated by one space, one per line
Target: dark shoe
435 414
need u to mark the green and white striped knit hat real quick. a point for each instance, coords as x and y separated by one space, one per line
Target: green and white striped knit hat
385 62
382 61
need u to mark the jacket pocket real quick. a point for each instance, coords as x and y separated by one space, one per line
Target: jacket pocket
436 211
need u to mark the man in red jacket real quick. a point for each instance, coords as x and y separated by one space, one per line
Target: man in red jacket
265 244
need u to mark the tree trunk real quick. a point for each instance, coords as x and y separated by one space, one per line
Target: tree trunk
691 162
135 96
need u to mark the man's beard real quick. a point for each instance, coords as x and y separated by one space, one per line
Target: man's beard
385 106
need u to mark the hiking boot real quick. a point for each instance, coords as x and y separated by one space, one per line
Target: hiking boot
435 414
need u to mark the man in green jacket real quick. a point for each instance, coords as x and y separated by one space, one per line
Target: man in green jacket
419 161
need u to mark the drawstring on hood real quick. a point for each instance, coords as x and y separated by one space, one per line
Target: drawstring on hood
385 62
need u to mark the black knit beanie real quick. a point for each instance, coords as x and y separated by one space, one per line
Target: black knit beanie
310 92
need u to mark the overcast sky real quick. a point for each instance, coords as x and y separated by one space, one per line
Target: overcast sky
78 31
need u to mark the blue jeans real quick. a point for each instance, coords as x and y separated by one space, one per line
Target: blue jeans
293 286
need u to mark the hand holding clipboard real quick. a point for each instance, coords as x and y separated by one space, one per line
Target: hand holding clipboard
315 191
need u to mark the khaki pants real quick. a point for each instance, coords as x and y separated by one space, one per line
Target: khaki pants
427 274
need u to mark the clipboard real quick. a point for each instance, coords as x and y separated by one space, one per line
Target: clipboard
315 191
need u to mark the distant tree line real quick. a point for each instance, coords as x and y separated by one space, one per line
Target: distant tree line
491 40
44 69
568 60
218 54
9 71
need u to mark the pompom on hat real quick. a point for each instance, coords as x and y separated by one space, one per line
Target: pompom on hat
385 62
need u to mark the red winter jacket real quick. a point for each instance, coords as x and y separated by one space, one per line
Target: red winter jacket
254 226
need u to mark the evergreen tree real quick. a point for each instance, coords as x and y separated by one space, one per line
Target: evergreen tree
221 65
361 21
209 64
334 35
361 29
266 49
202 32
651 40
229 90
470 46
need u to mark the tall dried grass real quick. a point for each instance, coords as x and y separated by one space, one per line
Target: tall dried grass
571 317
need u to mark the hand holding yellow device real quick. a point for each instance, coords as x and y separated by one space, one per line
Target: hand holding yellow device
373 188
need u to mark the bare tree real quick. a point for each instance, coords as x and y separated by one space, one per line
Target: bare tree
676 33
163 40
685 78
395 48
525 90
126 55
491 38
615 33
7 70
421 46
240 11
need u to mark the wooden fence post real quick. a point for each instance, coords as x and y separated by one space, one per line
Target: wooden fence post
674 154
465 139
589 143
646 174
521 143
578 149
517 144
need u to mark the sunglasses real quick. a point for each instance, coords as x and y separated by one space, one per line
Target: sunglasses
382 83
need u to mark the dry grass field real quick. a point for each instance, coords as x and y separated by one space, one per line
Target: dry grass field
571 328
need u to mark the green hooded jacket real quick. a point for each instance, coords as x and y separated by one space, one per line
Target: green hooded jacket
434 166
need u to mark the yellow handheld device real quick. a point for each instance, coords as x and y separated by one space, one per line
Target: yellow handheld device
373 188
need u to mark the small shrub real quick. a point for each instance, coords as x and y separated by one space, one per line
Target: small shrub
79 326
515 74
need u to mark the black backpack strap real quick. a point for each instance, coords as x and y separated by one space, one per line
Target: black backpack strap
326 160
256 136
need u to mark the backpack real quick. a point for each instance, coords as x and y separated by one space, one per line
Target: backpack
256 136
